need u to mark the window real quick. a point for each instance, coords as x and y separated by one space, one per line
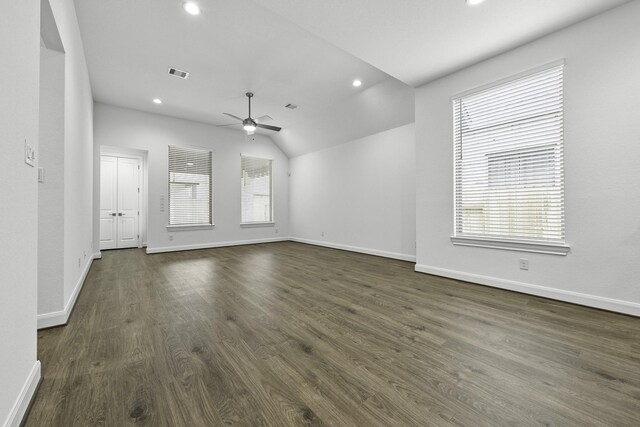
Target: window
256 188
190 182
509 178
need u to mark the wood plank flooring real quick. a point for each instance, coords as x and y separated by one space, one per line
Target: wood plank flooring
288 334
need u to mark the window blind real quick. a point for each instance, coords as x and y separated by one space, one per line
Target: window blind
509 167
190 183
256 190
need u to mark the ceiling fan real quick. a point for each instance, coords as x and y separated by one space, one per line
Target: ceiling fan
250 124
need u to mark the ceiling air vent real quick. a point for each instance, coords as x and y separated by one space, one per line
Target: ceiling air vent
178 73
291 106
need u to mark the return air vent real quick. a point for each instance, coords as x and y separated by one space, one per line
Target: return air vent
178 73
291 106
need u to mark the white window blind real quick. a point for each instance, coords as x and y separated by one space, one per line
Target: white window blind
509 178
190 183
256 188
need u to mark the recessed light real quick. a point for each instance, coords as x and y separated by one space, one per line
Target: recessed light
474 2
192 8
356 83
157 101
190 163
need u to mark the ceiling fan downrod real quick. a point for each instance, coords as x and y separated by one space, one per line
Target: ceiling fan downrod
249 95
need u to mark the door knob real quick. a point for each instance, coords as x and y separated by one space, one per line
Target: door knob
120 214
113 214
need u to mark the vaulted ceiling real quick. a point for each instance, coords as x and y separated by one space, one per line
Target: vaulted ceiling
417 41
301 52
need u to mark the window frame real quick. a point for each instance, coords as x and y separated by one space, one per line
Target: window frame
195 226
552 247
257 224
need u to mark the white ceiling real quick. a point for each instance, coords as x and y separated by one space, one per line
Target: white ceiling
417 41
301 52
232 47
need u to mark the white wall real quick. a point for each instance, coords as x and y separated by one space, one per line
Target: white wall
78 151
361 195
20 48
602 170
76 161
119 127
51 192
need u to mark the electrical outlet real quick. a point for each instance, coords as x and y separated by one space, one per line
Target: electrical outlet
277 231
524 264
78 262
170 238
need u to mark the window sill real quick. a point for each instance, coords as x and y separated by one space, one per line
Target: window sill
256 224
190 227
512 245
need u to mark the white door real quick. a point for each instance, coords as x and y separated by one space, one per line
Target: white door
108 201
128 193
119 202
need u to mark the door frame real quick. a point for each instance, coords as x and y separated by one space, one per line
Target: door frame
141 157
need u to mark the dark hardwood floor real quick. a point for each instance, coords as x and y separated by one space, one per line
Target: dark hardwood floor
290 334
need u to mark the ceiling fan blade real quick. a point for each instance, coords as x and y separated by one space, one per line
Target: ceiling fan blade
263 118
273 128
230 124
231 115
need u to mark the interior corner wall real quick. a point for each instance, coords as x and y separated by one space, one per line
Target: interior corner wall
358 196
51 191
19 47
602 171
78 154
153 133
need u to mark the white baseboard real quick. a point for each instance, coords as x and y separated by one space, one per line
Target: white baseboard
157 250
97 255
610 304
394 255
59 318
23 401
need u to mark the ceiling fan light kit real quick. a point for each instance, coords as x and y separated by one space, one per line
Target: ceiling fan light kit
249 124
